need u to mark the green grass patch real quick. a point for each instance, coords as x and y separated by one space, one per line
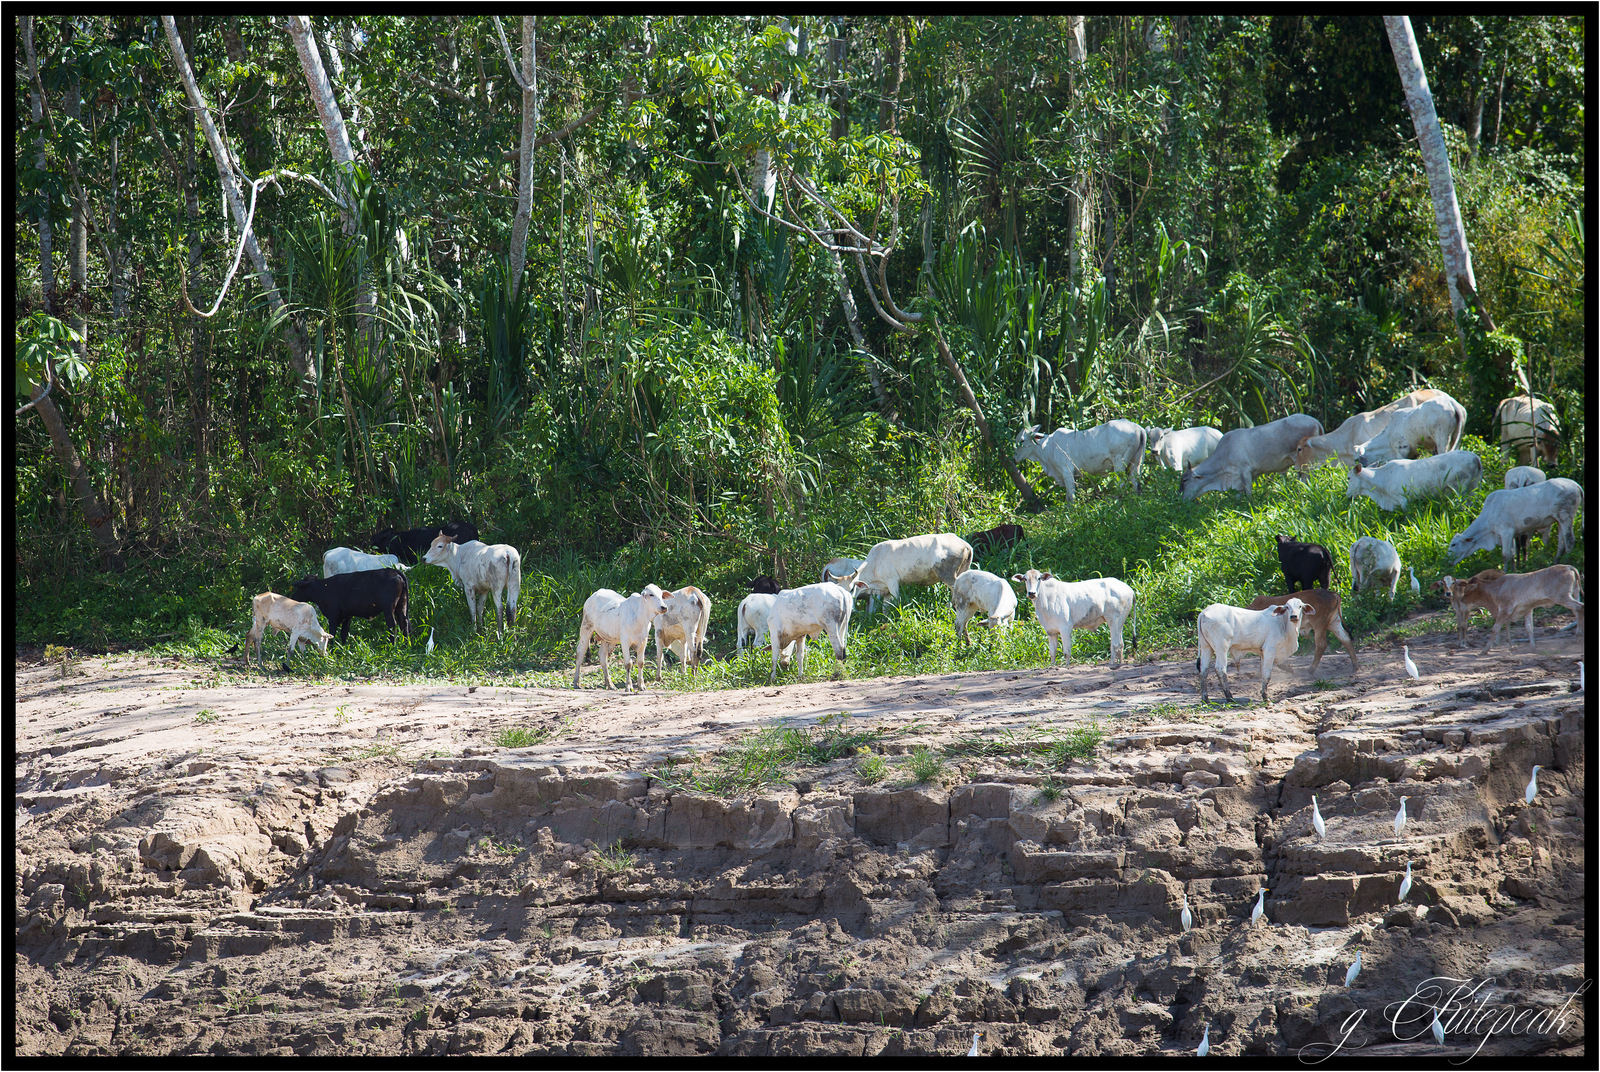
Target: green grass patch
523 737
769 756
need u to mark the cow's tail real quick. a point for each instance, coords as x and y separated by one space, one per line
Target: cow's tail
513 588
1461 426
1138 458
1133 616
402 607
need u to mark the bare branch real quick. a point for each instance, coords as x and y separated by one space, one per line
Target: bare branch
244 238
510 61
39 396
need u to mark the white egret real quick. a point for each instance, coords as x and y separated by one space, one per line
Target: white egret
1411 667
976 1035
1438 1028
1186 917
1355 970
1416 588
1205 1043
1580 675
1405 884
430 640
1261 906
1316 818
1533 785
1400 816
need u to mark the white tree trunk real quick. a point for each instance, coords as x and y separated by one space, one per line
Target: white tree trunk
1080 220
530 127
327 105
1435 158
227 173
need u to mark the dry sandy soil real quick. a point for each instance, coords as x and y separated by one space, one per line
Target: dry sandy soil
214 861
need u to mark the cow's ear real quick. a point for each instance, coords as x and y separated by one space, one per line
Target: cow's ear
1047 576
1308 609
1280 610
1019 577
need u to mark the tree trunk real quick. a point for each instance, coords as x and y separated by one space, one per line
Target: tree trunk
1030 498
1436 159
293 335
1080 217
530 127
47 266
894 71
78 245
327 110
94 510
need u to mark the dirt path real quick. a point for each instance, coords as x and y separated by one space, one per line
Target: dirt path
213 861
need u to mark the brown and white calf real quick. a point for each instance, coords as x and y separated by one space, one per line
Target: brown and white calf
1326 617
1273 634
299 620
1509 596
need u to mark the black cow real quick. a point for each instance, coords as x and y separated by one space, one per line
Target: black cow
764 585
1305 564
409 546
365 594
1001 536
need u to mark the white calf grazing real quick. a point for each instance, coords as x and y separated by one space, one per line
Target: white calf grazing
1062 606
931 559
348 560
1374 562
1185 448
299 620
799 613
978 593
482 570
1273 634
617 621
1526 433
1524 476
1357 429
1508 597
1393 485
1514 512
683 627
1245 453
1114 447
1435 425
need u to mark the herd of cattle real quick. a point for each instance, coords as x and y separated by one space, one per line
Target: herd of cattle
1379 447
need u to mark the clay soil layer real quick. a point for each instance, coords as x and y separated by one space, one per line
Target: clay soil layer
209 860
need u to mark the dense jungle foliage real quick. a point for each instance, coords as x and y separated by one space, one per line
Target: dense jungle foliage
715 352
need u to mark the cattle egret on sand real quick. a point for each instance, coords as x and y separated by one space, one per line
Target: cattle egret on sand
1405 884
1533 785
1416 588
1400 816
1186 917
1261 906
1411 667
976 1035
1205 1043
1316 818
1438 1028
1355 970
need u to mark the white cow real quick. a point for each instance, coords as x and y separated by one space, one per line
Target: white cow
682 626
1515 512
618 621
1393 485
1185 448
1436 425
1526 435
979 593
1244 453
1358 429
1114 447
1274 634
1524 476
348 560
482 570
285 615
930 559
1062 606
1374 561
800 613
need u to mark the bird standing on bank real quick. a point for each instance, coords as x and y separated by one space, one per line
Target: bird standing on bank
1261 906
430 640
976 1035
1580 675
1400 816
1438 1028
1186 917
1355 970
1316 818
1405 884
1533 786
1416 589
1205 1043
1411 667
